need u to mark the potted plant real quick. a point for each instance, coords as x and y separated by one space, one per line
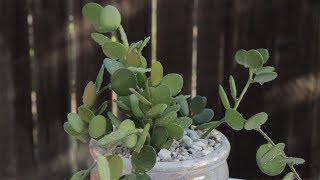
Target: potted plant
161 134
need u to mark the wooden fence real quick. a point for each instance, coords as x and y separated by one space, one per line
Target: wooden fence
47 57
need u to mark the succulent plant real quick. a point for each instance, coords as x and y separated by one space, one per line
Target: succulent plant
155 113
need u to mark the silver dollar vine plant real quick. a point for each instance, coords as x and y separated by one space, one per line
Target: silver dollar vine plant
270 157
155 113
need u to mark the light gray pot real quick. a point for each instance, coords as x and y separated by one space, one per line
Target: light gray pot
211 166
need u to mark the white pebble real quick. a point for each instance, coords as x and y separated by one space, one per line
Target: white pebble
193 135
195 147
187 140
205 152
200 144
164 154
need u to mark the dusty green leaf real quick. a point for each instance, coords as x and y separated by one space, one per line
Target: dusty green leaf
224 98
135 107
97 126
100 38
75 121
184 107
265 69
91 12
197 105
83 136
114 137
142 138
133 59
174 131
110 18
114 50
273 167
160 95
289 176
264 53
233 87
156 73
241 57
166 119
265 77
159 136
141 98
274 151
115 121
112 65
103 167
254 59
122 80
89 95
205 116
145 160
183 122
156 111
234 119
292 160
115 165
172 108
256 121
99 78
174 82
85 113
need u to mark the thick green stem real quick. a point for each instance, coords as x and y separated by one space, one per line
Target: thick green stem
123 36
244 89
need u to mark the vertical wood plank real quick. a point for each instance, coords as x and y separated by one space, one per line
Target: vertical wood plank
50 30
16 122
174 38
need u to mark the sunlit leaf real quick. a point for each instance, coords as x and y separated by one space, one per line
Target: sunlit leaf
91 12
156 73
114 50
110 18
103 167
100 38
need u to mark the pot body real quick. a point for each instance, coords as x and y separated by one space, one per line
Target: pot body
209 167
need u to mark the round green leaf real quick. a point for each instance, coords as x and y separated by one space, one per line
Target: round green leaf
183 122
100 38
159 136
184 106
174 130
133 59
156 73
122 80
241 57
224 98
85 113
174 82
265 69
292 160
115 165
273 167
161 95
114 50
91 12
256 121
265 77
110 18
103 167
156 111
89 95
264 53
254 59
197 104
172 108
112 65
276 150
76 122
289 176
97 126
234 119
83 136
127 126
166 119
205 116
145 160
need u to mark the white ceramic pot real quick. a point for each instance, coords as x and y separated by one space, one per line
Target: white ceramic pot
209 167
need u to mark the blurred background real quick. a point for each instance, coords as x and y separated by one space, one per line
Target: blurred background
47 57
